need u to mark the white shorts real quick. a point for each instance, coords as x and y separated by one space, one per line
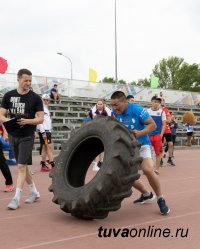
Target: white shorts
145 151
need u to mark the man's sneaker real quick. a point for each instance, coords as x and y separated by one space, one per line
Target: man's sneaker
14 204
9 188
32 198
163 207
95 167
170 162
45 169
145 199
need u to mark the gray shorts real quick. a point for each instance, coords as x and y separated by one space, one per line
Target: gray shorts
22 148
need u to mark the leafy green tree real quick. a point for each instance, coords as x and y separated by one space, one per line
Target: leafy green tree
108 80
122 82
166 70
188 78
112 80
143 82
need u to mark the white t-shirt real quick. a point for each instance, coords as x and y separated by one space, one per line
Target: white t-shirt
47 124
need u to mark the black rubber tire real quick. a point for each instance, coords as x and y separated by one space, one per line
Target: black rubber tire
111 184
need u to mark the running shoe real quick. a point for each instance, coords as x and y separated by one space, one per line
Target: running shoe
144 199
170 162
13 204
45 169
9 188
32 198
163 207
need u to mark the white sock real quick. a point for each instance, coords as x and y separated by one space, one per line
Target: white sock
18 193
160 196
146 194
33 188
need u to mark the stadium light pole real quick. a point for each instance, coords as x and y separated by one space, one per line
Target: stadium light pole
116 78
69 61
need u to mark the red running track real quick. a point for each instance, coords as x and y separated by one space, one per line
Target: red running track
42 225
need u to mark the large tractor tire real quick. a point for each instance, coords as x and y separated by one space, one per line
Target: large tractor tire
111 184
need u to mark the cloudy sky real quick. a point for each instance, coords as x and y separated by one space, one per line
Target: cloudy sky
33 31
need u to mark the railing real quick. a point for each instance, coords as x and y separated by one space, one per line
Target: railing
78 88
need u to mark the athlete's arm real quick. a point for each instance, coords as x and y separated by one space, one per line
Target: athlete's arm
163 127
150 126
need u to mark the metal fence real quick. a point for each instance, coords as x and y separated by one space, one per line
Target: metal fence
79 88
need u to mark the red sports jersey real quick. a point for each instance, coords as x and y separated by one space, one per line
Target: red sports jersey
167 127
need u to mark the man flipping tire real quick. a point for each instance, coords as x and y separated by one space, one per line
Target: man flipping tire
136 119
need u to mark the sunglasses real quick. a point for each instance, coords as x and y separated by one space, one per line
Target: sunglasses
46 99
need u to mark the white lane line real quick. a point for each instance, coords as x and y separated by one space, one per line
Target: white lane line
20 216
24 196
95 233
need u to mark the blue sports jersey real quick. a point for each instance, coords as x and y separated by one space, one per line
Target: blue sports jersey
134 117
189 128
158 116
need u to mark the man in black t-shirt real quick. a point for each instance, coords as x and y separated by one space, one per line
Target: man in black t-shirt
24 109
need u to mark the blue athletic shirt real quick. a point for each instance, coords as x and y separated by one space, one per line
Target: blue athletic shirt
134 118
158 116
189 128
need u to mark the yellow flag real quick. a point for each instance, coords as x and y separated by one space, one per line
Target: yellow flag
92 75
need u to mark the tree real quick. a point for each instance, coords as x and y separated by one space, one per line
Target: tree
112 80
122 82
166 70
108 80
188 78
143 82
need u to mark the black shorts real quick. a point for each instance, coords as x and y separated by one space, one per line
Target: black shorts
189 134
22 148
168 137
48 137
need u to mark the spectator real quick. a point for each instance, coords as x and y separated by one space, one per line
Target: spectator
168 137
5 169
45 136
173 127
108 111
87 116
100 111
130 98
162 98
54 93
190 131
